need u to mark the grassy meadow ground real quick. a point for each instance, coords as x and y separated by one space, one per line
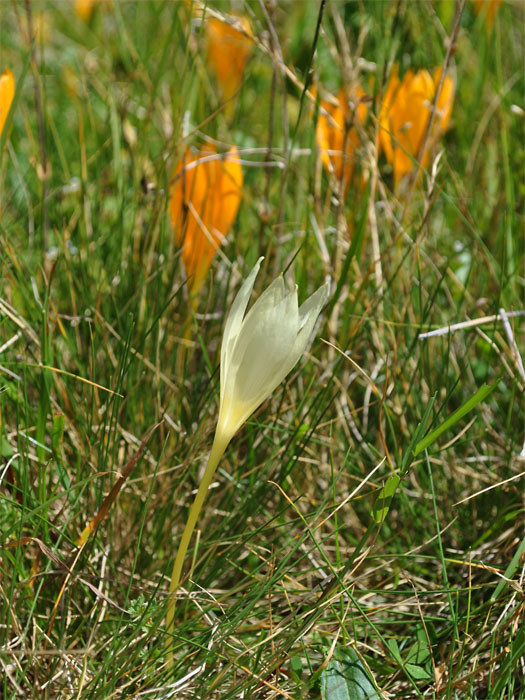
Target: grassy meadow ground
340 554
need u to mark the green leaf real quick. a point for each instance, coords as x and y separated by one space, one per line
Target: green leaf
345 678
302 429
394 650
5 448
296 667
480 395
417 672
57 432
384 498
419 652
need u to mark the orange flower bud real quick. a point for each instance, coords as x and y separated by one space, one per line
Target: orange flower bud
84 8
336 137
228 52
205 198
7 92
404 118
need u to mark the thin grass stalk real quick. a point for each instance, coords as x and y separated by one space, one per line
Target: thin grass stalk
193 303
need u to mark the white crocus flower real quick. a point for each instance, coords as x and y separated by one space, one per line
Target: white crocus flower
261 348
258 351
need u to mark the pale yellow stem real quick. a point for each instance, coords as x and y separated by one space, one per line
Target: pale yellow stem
220 443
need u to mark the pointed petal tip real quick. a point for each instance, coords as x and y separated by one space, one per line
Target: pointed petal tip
255 269
258 263
312 307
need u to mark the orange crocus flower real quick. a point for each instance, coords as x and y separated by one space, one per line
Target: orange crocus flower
404 118
488 6
335 135
228 52
204 202
7 92
84 8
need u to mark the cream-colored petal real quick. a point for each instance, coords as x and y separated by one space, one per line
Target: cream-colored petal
314 304
268 300
257 355
308 315
263 348
272 312
235 318
269 343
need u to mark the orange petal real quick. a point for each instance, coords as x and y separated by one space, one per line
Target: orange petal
7 93
445 99
405 113
337 142
385 116
84 8
205 198
228 52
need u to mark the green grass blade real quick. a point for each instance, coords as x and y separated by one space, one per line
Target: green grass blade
481 394
384 498
509 572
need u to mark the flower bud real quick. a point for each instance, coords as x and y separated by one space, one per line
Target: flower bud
261 348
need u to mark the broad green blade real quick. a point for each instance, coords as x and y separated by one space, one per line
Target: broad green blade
345 678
